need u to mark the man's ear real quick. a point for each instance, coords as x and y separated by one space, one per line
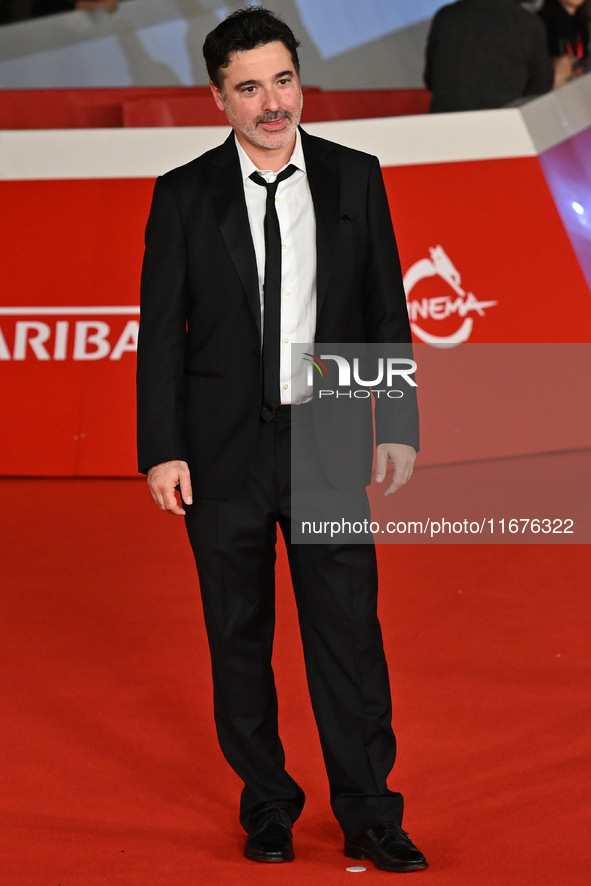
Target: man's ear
217 95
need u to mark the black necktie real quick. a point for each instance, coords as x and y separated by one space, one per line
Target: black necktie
271 296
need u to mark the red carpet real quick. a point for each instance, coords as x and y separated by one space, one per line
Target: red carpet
112 773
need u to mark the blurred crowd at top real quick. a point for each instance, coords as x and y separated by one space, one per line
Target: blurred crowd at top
492 53
19 10
480 54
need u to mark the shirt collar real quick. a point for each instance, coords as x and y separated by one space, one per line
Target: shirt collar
247 167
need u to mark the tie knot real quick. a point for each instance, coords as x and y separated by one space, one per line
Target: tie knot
272 186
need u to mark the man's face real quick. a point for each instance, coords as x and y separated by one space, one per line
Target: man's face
571 5
261 96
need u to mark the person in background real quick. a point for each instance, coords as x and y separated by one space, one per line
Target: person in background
485 54
567 28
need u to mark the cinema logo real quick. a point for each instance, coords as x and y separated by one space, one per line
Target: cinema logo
384 372
60 333
430 311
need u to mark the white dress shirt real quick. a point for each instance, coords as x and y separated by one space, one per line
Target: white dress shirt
297 223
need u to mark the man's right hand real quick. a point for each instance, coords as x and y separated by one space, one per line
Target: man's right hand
163 480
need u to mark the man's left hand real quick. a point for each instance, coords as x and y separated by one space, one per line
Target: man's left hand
402 457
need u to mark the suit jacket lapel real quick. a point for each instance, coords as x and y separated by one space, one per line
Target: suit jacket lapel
227 193
323 176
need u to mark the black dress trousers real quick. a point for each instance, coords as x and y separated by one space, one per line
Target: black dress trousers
335 587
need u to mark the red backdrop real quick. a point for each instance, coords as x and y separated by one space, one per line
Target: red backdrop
67 396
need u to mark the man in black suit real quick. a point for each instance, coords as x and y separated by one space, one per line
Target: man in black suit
274 237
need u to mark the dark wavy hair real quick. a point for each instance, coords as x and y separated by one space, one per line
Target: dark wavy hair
552 6
245 29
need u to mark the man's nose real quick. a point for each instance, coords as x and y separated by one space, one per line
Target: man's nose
270 99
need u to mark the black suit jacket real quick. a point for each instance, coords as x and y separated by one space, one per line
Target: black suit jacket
485 54
199 349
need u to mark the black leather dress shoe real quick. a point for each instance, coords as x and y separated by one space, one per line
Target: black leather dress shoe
269 835
389 847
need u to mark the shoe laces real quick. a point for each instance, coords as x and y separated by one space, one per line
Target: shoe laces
271 813
393 828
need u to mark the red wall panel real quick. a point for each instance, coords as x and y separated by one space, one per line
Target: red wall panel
70 276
